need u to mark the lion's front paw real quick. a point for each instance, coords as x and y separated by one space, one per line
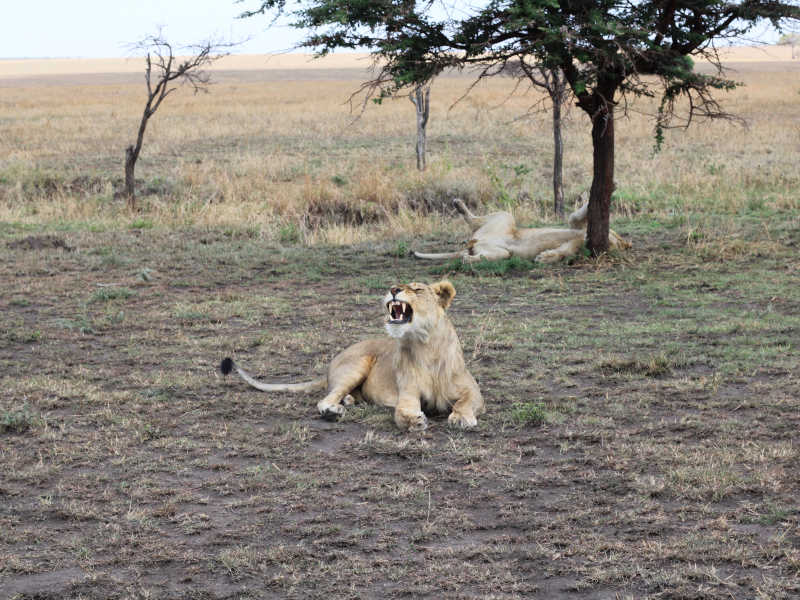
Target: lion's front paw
461 420
412 421
330 412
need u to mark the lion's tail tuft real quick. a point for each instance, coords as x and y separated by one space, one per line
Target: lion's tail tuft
226 366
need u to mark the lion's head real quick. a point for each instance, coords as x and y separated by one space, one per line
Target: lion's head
413 309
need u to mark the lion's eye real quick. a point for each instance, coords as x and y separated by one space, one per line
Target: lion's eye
417 290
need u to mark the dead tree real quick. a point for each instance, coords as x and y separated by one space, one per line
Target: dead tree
163 70
421 99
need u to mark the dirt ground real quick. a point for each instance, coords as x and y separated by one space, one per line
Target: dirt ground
641 439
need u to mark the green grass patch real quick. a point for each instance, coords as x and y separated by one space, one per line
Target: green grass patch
24 336
142 223
775 514
108 294
18 421
82 324
528 414
400 249
499 268
289 234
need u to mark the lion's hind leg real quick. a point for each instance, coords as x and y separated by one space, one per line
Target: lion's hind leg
344 377
577 220
475 221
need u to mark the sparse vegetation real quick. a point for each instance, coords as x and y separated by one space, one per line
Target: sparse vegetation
653 366
106 294
513 264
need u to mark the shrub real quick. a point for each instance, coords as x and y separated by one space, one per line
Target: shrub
18 421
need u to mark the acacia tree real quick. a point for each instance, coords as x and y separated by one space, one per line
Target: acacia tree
603 47
163 70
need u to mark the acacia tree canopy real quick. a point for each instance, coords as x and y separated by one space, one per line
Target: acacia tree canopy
603 47
412 45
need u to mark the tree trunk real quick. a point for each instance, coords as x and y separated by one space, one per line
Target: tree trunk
421 98
132 154
602 180
558 158
421 142
130 181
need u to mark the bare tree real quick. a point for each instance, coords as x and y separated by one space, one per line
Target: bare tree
163 71
421 99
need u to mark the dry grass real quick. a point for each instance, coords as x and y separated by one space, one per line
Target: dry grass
268 155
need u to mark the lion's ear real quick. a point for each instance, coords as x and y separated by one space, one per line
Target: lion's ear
445 291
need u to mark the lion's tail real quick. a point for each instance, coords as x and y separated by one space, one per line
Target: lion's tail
228 365
441 256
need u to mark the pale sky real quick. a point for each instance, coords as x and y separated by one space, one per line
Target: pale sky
106 28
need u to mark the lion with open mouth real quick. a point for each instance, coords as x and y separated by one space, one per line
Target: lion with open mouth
419 369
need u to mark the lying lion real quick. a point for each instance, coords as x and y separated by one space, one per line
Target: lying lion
496 236
419 367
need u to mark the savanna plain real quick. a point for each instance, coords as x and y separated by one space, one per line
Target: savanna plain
641 435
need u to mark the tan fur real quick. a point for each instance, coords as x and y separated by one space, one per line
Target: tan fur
418 367
495 236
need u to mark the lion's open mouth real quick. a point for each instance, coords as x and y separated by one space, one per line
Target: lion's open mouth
399 312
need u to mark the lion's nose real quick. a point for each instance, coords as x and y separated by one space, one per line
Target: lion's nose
395 290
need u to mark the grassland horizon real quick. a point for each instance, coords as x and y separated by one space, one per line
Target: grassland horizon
28 67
